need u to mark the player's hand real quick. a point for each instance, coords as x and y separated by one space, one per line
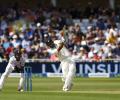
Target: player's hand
62 33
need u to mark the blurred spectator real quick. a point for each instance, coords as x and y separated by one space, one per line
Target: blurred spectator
86 31
96 57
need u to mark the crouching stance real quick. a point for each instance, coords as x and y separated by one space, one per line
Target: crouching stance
16 63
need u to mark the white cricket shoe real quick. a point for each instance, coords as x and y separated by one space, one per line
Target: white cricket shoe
20 90
68 88
65 89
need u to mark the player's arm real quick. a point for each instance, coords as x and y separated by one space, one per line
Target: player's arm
60 47
52 51
12 61
62 39
62 32
55 50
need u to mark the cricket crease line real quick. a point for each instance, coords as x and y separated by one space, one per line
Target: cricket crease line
87 92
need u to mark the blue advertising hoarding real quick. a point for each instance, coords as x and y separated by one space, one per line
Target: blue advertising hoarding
83 68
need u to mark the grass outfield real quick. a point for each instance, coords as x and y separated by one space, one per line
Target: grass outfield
51 89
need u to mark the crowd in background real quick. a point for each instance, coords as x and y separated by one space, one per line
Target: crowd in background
93 34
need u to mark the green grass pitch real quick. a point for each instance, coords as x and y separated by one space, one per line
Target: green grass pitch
51 89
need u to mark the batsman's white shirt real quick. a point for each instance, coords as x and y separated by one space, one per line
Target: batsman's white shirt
63 54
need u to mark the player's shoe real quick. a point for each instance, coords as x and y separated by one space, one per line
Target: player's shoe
65 89
20 90
68 88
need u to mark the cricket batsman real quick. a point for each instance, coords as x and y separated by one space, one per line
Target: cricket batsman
67 64
16 63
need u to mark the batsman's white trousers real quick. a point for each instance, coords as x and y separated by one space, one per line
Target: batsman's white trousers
68 70
8 70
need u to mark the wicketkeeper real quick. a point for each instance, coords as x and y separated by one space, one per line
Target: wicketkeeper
16 63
